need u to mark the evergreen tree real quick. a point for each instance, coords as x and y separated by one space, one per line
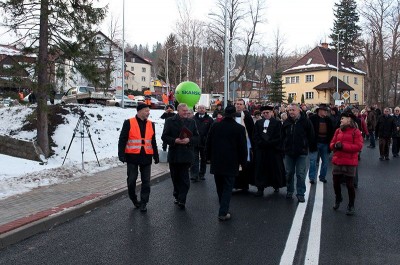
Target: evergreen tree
276 94
345 29
50 28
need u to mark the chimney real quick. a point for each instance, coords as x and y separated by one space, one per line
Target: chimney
324 45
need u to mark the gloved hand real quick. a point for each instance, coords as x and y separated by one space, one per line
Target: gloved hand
122 158
156 160
338 146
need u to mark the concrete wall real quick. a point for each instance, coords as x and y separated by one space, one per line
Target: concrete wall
20 148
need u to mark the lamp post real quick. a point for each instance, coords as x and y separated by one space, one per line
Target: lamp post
123 54
166 68
226 57
337 61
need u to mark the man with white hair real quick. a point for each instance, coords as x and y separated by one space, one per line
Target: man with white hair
203 123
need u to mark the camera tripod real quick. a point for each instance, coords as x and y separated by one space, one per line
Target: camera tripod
82 124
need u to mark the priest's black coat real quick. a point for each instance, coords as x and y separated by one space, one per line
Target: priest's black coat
268 155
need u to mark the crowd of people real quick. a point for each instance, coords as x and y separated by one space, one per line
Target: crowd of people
264 147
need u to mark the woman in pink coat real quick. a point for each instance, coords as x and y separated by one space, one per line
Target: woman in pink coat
346 143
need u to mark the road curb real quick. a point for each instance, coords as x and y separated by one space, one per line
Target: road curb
46 220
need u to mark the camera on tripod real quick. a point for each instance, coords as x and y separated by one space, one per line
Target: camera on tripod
82 124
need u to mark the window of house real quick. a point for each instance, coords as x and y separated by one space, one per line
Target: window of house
143 78
309 95
98 38
309 78
292 79
309 60
132 60
292 96
287 80
132 68
355 97
143 70
356 80
347 79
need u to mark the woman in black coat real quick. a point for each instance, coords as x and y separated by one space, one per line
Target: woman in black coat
269 167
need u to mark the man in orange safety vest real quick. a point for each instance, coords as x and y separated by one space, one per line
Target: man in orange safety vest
137 146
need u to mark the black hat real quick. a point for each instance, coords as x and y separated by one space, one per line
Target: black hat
350 114
323 107
266 108
230 110
169 106
142 106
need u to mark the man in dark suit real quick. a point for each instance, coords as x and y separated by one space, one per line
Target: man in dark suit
243 117
181 134
226 148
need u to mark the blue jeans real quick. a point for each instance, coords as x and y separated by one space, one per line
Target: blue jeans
322 150
296 165
371 138
224 184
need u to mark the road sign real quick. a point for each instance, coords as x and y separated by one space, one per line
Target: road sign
336 96
346 95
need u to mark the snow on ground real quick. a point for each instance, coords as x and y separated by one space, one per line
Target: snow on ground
105 123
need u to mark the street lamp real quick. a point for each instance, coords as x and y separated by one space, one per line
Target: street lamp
166 68
337 61
226 57
123 54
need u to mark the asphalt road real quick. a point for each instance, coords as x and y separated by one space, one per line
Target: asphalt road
257 234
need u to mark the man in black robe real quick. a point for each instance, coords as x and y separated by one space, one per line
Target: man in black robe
268 158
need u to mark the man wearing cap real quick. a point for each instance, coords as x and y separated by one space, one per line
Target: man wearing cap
181 134
226 149
297 134
137 146
268 159
319 147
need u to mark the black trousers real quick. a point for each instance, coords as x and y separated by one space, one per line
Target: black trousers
396 145
180 180
145 171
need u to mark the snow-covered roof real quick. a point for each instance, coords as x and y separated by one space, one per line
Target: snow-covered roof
11 51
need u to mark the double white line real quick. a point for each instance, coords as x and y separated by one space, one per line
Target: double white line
314 238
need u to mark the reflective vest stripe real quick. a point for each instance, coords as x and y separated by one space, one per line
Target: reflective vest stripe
136 142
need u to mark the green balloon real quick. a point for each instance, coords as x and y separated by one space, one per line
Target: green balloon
188 92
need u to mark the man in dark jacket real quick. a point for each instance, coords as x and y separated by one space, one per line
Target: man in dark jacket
319 147
268 159
169 112
385 127
203 123
297 134
137 146
371 125
396 134
226 149
181 134
243 117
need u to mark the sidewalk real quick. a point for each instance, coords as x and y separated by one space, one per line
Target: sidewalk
39 210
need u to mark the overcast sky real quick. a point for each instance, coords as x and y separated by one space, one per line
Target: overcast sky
303 23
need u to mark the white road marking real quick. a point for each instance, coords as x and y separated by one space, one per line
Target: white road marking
314 238
287 257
